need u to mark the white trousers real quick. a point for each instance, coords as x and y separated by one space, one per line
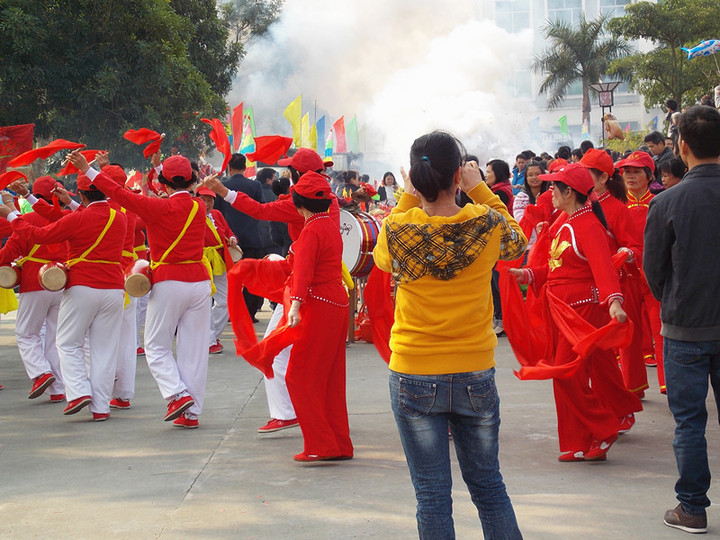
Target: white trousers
141 307
278 398
37 346
219 317
124 387
185 307
97 313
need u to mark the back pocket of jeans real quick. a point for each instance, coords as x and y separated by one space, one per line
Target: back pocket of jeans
483 397
416 398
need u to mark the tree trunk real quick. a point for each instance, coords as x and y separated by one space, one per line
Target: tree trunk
586 107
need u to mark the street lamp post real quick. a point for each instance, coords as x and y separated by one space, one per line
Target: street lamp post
605 96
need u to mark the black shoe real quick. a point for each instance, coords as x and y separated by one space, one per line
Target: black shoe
679 519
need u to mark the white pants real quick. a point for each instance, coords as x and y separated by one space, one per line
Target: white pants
124 387
219 317
185 307
141 306
97 313
37 348
278 398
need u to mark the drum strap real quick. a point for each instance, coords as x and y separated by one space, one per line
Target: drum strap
29 257
161 261
82 258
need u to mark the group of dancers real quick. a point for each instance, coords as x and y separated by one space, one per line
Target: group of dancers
78 344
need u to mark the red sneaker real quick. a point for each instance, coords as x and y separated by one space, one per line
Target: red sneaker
100 417
277 425
140 351
626 422
118 403
40 384
185 422
217 348
650 360
57 398
569 457
178 406
77 404
599 449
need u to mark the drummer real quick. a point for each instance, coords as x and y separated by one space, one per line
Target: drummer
93 299
282 412
37 306
218 236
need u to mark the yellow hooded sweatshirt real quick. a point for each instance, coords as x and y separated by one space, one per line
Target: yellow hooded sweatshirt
443 265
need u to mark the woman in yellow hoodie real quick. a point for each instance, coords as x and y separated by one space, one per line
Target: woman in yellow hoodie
442 363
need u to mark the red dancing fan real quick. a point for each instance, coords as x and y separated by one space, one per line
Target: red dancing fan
43 152
220 138
144 135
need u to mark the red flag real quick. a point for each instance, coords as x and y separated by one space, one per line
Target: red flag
145 135
43 152
72 169
237 126
627 128
220 138
339 128
9 177
14 140
270 148
141 136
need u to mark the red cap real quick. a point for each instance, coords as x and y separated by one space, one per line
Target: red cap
313 186
44 185
177 166
574 175
598 159
205 191
637 159
116 173
304 160
557 164
84 183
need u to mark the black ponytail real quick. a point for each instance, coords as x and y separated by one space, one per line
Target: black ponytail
434 159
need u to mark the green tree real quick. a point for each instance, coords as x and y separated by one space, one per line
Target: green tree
247 18
88 71
576 54
665 72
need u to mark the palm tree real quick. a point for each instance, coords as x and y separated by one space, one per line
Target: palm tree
581 53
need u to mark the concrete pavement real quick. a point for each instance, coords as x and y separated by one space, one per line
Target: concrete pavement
137 477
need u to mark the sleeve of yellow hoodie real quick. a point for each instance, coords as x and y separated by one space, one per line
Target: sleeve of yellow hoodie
513 241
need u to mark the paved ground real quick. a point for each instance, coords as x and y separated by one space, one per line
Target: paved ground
138 477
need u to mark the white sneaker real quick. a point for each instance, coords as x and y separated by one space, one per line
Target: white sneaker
498 327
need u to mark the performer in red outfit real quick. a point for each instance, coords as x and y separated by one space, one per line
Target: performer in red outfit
580 274
37 307
316 372
93 299
611 192
282 413
181 285
637 170
218 237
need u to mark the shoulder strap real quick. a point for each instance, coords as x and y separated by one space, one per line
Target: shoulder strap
180 236
95 244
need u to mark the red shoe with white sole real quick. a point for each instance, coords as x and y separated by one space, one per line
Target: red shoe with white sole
178 406
40 384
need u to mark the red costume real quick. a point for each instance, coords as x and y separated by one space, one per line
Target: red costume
647 304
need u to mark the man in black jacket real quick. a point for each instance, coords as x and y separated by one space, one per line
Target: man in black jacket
243 226
681 260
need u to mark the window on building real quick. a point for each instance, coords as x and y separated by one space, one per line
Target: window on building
512 15
613 8
565 10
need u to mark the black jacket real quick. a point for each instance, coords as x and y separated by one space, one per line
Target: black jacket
242 225
681 257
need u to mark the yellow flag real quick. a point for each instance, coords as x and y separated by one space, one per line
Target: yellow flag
313 137
292 113
305 131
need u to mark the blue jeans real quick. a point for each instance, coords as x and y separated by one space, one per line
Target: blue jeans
424 406
688 366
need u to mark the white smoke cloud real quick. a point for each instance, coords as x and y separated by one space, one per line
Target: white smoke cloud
404 67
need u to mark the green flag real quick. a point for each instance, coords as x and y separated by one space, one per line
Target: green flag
563 125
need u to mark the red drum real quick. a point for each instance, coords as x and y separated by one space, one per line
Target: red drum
53 276
9 276
137 278
359 233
